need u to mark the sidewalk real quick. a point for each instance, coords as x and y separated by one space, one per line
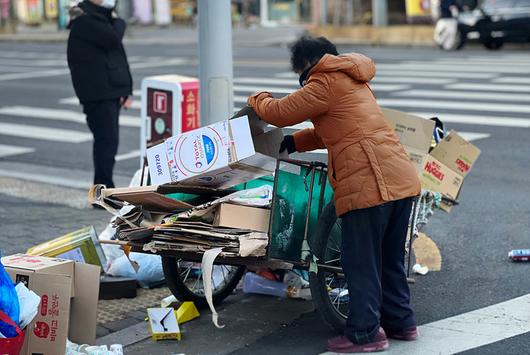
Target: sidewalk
179 35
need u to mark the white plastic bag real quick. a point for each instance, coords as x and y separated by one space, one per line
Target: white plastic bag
29 304
149 271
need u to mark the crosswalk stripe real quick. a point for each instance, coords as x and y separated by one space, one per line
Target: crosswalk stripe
34 63
282 90
411 72
511 80
489 87
478 120
377 79
44 133
464 95
454 68
9 150
31 55
12 69
60 115
469 330
129 155
453 105
34 74
491 62
136 104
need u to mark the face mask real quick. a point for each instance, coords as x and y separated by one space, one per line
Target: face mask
108 4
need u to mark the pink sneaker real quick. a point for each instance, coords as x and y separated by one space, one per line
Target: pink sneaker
342 344
408 334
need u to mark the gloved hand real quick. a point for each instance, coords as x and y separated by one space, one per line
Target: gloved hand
288 144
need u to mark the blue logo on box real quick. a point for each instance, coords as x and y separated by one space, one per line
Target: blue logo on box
209 148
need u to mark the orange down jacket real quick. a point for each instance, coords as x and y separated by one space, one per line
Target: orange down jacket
367 165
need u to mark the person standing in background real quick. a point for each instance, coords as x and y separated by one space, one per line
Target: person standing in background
101 77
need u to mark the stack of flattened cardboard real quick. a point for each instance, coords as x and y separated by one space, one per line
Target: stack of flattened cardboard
197 237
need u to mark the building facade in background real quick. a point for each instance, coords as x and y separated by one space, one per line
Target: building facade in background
244 12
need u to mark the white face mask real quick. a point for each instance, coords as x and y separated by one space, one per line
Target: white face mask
108 4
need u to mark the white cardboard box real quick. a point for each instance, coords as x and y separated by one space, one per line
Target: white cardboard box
220 155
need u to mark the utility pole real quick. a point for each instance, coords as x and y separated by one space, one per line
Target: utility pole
379 13
264 12
215 61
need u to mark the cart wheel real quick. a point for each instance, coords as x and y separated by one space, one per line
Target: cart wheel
184 279
329 289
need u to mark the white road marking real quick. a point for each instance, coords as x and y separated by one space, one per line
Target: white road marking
73 101
60 115
489 87
411 72
129 155
512 80
13 69
475 62
58 72
453 68
377 79
479 120
469 330
44 133
34 74
464 95
453 105
37 62
490 61
9 150
283 90
474 136
31 55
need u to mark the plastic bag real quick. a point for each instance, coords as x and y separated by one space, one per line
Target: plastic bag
13 344
8 296
29 304
149 272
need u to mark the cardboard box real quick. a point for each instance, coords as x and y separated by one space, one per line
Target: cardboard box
456 153
163 323
230 215
81 246
438 177
414 132
220 155
69 296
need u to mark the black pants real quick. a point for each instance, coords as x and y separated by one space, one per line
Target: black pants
102 118
373 253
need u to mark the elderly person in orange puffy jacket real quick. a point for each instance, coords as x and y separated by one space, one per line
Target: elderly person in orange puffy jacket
373 180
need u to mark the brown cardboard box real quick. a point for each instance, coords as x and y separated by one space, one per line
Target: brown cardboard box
69 296
414 132
436 176
243 217
456 153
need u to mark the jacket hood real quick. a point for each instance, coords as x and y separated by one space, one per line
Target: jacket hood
357 66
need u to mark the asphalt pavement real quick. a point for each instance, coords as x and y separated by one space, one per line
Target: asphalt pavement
45 170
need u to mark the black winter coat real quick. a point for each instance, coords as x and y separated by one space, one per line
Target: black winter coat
96 56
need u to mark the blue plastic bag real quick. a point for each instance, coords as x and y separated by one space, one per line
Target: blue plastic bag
8 297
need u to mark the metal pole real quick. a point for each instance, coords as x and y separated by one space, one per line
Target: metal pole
379 13
215 61
264 12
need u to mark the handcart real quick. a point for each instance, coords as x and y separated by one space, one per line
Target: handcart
304 233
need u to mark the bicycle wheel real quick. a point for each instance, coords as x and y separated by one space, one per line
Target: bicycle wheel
329 289
184 279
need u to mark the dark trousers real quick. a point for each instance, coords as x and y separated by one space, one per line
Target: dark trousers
373 253
102 118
